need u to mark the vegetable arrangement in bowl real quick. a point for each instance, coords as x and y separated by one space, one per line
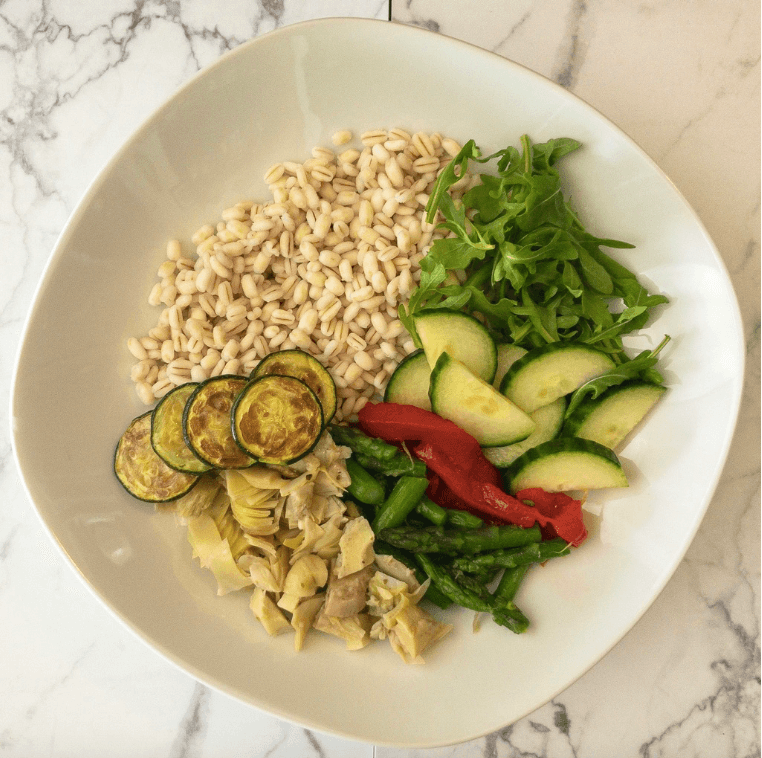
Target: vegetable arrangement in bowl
519 393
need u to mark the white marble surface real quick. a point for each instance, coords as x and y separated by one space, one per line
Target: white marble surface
77 76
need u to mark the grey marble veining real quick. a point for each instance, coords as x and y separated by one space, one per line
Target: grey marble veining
76 78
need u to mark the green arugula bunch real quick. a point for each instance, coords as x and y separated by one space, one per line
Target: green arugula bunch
531 269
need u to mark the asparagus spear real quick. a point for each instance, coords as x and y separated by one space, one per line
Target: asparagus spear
358 442
397 465
435 539
480 600
533 553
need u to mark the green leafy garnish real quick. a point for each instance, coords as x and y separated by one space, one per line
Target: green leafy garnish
528 265
641 366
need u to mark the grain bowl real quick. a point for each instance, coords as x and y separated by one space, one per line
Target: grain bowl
274 100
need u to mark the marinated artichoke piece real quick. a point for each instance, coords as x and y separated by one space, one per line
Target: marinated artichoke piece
206 422
303 616
142 472
167 431
267 612
393 567
306 576
412 630
308 369
214 553
347 596
277 419
355 547
198 500
354 630
252 506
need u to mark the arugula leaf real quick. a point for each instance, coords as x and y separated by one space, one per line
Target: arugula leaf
532 270
639 366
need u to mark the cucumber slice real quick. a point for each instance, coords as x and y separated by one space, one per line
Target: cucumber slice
141 472
206 422
566 463
548 423
308 369
475 406
462 336
552 371
507 355
167 431
277 419
611 417
409 384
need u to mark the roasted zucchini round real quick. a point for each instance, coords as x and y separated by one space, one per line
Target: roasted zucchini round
308 369
277 419
167 431
142 472
206 422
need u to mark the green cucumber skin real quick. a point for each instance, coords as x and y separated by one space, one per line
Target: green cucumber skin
559 446
444 362
588 407
399 388
507 355
504 456
539 352
489 373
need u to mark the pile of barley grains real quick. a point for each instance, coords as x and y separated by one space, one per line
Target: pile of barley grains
323 267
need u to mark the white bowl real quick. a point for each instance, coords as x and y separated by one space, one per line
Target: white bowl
274 99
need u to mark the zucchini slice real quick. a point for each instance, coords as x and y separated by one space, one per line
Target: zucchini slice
462 336
206 422
548 423
611 417
141 472
409 384
308 369
475 406
507 355
552 371
277 419
566 463
167 431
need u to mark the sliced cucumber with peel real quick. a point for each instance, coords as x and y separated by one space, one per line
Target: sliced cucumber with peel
611 417
409 384
564 464
552 371
475 406
462 336
507 355
548 423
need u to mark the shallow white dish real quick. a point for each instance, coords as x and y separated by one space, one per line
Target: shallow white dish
274 99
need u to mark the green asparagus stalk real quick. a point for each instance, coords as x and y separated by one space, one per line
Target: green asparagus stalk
435 539
533 553
397 465
360 443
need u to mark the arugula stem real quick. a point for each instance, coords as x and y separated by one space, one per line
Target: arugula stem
479 276
527 153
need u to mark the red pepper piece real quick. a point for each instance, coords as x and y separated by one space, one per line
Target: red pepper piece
442 495
562 514
394 422
465 479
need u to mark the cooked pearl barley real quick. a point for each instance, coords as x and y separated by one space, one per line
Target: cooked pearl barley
322 267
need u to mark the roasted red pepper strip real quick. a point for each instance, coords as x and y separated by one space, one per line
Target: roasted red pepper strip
442 495
562 513
465 478
394 422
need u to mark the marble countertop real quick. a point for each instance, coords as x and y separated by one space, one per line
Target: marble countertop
78 76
